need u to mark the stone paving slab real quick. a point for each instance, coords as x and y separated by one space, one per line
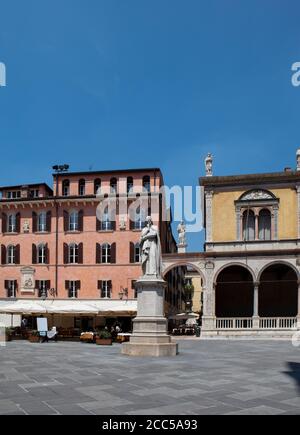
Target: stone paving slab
207 377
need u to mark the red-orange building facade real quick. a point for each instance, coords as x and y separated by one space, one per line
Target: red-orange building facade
56 236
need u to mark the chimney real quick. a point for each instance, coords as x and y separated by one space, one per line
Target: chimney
298 159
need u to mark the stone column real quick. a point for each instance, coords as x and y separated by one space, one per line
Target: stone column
298 311
150 336
298 209
209 215
209 300
255 318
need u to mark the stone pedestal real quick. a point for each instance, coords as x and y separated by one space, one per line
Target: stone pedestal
150 336
181 248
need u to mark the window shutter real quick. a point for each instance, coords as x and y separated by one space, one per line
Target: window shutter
67 285
18 254
48 284
37 284
110 288
80 253
113 224
48 221
18 222
80 220
16 285
4 223
132 249
98 224
113 253
6 284
34 254
66 221
131 224
66 253
98 253
34 222
46 254
78 285
3 254
100 285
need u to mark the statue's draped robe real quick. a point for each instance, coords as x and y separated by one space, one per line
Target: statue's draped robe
151 252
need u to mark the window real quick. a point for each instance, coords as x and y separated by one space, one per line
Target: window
129 185
81 187
97 186
139 220
66 188
12 223
264 225
73 287
73 254
105 253
106 289
146 183
42 254
73 221
137 253
248 225
42 222
14 194
135 292
106 223
34 193
42 288
113 185
11 254
11 287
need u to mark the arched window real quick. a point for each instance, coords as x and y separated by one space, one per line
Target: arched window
106 223
248 225
66 188
105 253
11 254
264 225
146 183
81 187
12 223
42 221
73 253
129 185
97 186
139 219
74 221
41 253
113 185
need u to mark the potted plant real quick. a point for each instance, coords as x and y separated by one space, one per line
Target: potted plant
34 337
104 338
8 334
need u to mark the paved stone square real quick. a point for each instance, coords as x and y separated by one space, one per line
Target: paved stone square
208 377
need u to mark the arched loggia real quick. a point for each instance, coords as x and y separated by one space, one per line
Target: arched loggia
278 291
234 292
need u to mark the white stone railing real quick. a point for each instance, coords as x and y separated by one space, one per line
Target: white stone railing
278 323
264 323
234 323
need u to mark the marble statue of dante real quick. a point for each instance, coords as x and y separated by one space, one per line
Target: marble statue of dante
181 229
151 250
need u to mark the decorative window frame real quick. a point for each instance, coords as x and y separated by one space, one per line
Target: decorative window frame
257 200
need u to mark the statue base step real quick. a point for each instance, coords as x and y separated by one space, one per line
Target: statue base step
150 349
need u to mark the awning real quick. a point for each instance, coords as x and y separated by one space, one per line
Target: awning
104 307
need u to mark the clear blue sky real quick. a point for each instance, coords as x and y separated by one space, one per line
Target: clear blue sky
116 84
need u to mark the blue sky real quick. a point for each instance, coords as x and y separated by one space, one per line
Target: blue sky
117 84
